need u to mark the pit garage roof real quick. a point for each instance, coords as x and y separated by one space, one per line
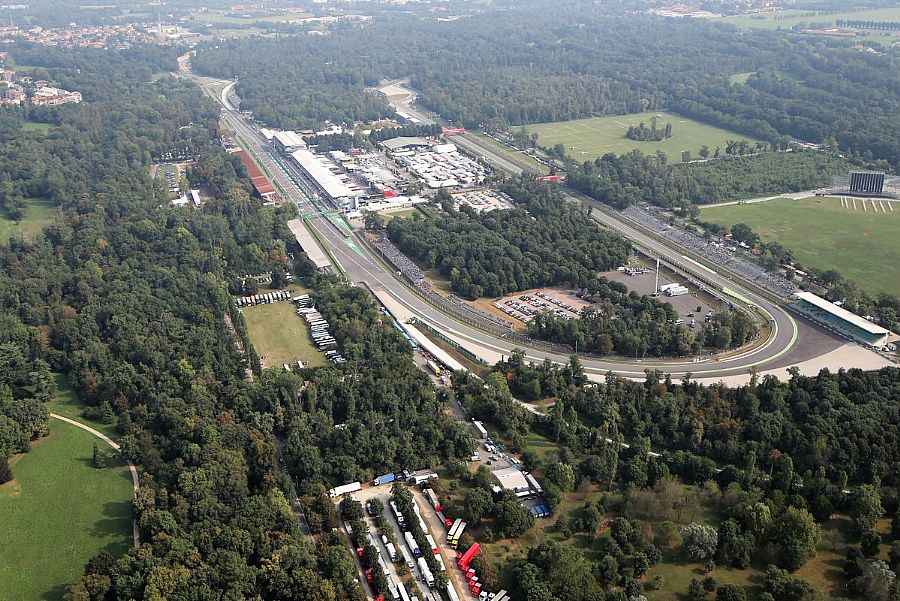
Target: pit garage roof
842 313
328 181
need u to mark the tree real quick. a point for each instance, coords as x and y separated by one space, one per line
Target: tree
730 592
781 586
476 504
878 581
666 535
696 590
607 571
5 471
796 536
699 541
99 457
867 509
512 519
562 475
704 151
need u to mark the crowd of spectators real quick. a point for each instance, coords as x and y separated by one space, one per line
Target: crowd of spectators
403 263
720 254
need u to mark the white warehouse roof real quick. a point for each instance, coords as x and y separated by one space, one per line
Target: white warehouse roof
328 181
511 479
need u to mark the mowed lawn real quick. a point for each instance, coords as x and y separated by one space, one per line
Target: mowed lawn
40 213
860 244
587 139
279 334
58 512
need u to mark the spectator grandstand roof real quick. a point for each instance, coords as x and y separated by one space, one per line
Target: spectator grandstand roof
845 320
308 244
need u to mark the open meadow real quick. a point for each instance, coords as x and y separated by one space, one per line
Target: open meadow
279 334
861 244
40 213
587 139
59 510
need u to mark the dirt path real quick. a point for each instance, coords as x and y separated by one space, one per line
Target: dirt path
135 481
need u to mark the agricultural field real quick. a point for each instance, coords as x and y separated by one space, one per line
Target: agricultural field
860 244
59 507
587 139
280 335
40 213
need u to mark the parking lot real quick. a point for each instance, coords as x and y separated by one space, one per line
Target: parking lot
686 305
383 493
521 307
482 200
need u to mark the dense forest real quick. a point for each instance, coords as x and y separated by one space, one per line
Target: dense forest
498 69
542 242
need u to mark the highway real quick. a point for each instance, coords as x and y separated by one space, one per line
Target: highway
362 267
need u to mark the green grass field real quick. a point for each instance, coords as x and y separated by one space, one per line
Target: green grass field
281 335
587 139
740 77
404 213
40 213
36 126
59 510
862 245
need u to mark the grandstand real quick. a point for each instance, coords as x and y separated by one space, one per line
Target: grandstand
836 318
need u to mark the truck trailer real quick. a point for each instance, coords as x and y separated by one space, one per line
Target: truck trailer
412 544
385 479
337 491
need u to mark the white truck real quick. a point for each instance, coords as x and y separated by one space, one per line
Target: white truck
338 491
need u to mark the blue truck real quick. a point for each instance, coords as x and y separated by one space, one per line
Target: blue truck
385 479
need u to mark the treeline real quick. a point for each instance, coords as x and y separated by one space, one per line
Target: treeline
861 24
25 385
543 241
631 178
496 69
386 133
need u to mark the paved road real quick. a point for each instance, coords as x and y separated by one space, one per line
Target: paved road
361 267
135 481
